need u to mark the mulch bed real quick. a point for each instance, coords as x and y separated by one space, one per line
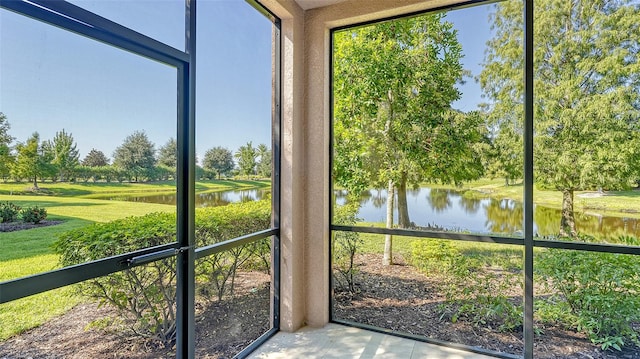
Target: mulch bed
403 299
19 226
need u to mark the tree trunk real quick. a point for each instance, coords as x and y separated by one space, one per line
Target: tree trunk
403 210
568 221
387 258
35 182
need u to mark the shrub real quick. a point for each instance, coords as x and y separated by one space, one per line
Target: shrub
217 272
601 290
474 292
434 255
33 214
8 212
479 297
145 295
345 246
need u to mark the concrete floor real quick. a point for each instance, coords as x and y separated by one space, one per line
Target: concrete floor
336 341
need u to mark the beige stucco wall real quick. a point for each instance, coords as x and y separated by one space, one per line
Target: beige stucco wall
305 143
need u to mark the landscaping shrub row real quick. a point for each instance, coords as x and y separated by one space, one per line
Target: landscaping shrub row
145 296
10 212
593 293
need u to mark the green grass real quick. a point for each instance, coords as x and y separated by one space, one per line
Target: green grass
26 313
613 203
490 254
100 189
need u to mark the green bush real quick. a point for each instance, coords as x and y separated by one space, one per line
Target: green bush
474 292
33 214
145 295
602 291
434 255
217 272
345 246
8 212
478 296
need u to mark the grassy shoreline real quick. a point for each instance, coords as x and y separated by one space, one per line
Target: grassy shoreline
611 203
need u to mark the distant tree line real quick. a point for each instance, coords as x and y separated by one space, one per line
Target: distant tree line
135 160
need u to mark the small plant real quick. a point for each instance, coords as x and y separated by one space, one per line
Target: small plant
474 291
478 296
33 214
8 212
345 246
600 289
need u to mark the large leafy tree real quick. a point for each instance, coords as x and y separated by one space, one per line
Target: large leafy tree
136 155
394 83
218 160
95 158
32 162
6 158
63 154
586 99
168 154
246 156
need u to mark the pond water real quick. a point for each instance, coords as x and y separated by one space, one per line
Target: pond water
450 210
203 199
440 209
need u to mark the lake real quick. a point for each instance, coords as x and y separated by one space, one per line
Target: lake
450 210
203 199
439 209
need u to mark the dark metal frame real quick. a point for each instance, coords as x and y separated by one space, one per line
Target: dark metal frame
527 242
78 20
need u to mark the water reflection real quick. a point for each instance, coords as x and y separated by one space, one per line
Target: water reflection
451 210
203 199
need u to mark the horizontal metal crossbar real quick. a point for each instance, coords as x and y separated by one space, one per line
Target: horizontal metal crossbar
236 242
42 282
579 246
430 234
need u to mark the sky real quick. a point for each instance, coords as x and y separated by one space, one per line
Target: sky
51 79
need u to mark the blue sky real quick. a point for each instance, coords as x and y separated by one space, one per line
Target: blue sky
51 79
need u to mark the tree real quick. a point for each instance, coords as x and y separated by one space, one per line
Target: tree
95 158
30 162
586 104
218 160
6 158
136 155
63 154
246 157
5 138
394 83
264 164
168 154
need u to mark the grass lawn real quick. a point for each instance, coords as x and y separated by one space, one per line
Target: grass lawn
98 189
492 254
613 203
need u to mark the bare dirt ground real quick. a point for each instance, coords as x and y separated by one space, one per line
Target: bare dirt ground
222 330
402 299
